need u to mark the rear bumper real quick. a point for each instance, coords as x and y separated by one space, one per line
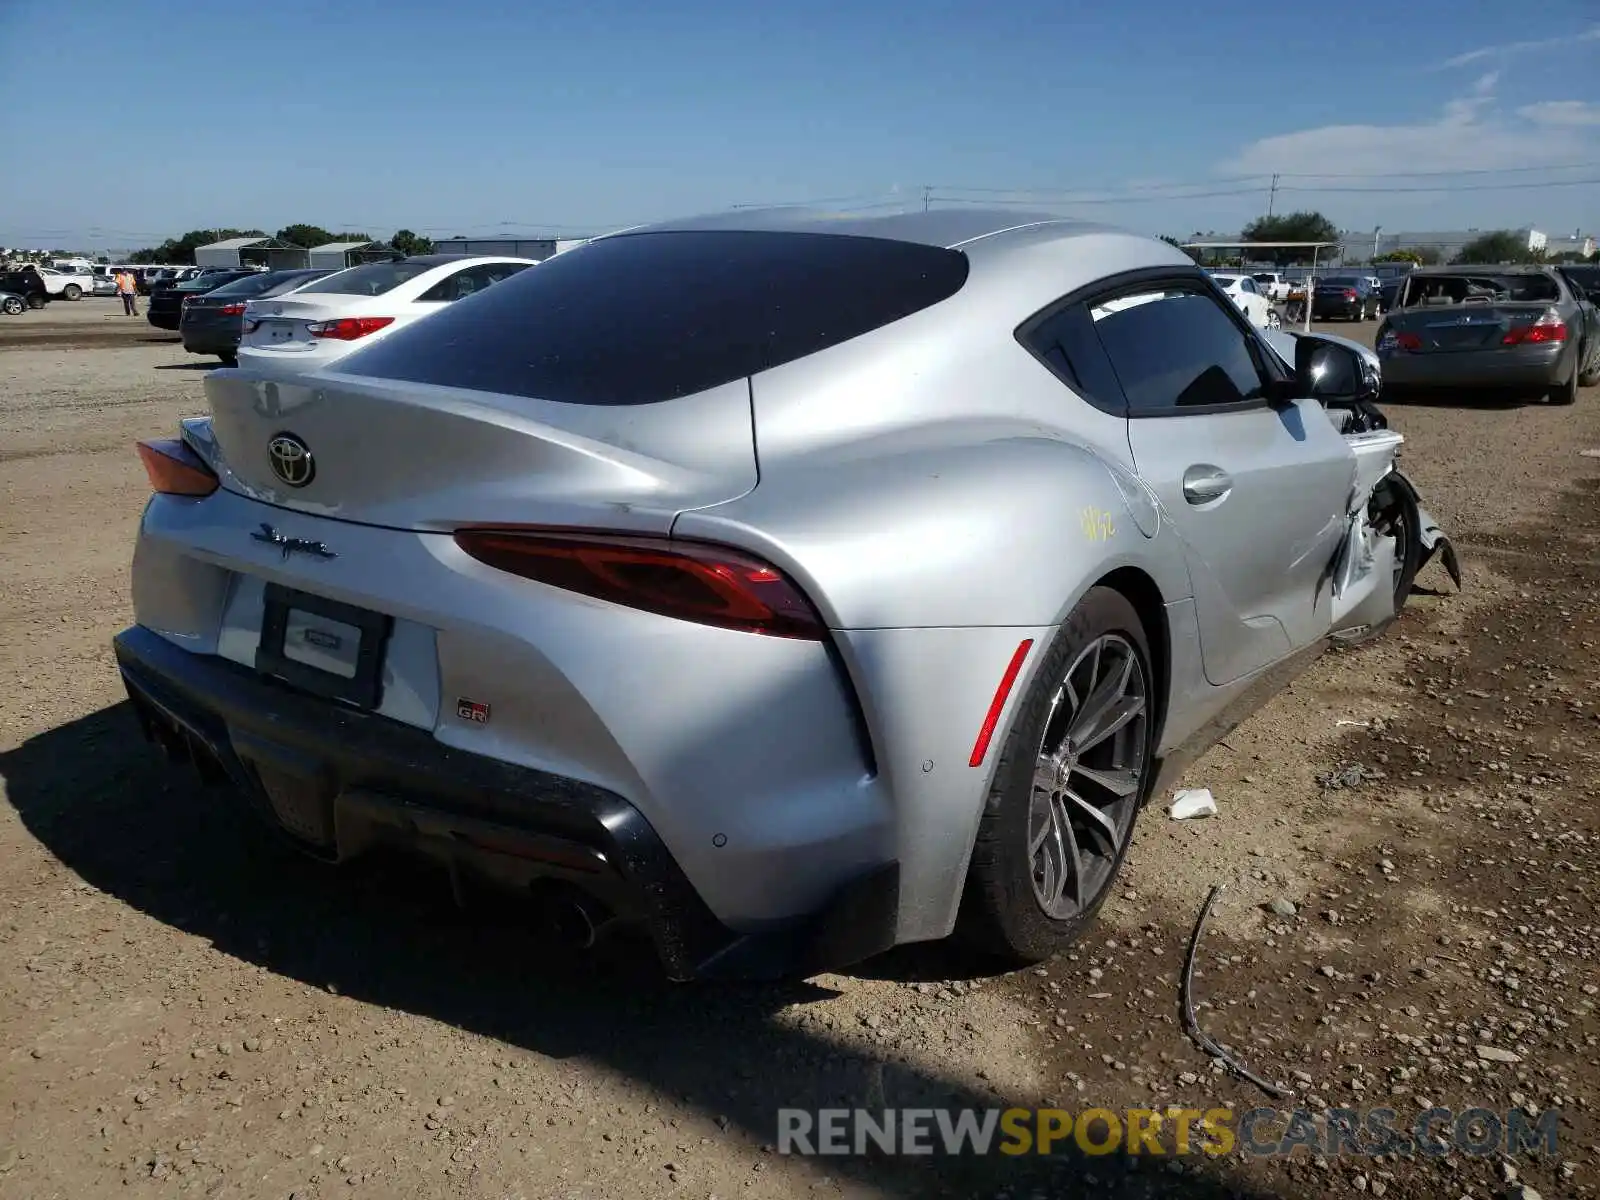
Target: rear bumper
1337 308
1535 369
338 780
209 341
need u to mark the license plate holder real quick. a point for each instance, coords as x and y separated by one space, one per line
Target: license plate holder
300 630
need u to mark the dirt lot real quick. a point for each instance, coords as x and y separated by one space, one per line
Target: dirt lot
187 1008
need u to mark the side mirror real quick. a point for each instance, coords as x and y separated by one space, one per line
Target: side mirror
1328 371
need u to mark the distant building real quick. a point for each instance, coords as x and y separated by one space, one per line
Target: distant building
1363 245
1579 243
537 249
251 252
336 256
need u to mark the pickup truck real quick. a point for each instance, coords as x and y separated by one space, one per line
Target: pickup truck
1272 285
67 285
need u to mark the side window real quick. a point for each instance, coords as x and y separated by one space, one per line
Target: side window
469 281
1174 349
1248 285
1065 342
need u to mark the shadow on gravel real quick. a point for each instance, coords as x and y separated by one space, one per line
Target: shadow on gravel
1459 398
108 807
192 366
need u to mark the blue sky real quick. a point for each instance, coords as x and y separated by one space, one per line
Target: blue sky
477 117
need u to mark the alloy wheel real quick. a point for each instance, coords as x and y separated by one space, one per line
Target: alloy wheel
1088 776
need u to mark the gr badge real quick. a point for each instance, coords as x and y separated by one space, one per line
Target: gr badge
471 710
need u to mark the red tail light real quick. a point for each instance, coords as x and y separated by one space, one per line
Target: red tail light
1548 328
174 469
232 310
1408 341
348 329
1349 293
707 584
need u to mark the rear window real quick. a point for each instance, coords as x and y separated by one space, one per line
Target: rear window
641 318
370 279
298 280
1340 281
1431 290
202 283
250 285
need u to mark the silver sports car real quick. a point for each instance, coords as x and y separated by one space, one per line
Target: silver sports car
787 585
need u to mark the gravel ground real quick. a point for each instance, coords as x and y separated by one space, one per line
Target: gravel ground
1407 837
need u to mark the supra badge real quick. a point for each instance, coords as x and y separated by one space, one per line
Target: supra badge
472 710
292 545
291 460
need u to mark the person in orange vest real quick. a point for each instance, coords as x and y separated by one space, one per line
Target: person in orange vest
128 289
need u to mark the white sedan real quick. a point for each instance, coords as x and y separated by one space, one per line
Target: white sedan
1242 290
320 323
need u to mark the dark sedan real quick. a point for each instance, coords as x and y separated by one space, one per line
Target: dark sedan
1522 329
213 322
166 303
1344 297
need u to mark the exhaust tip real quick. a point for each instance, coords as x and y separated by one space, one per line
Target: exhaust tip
575 921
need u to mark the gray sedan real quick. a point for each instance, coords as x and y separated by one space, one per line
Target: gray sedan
1512 328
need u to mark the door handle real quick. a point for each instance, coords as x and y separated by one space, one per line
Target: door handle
1204 483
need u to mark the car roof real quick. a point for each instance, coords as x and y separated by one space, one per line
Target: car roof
945 227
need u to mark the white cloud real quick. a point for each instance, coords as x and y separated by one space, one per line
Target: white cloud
1468 134
1508 49
1562 113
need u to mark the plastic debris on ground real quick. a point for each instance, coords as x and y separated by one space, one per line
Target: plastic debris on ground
1193 803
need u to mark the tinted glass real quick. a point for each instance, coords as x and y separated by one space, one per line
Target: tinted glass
204 283
1067 343
1584 277
1339 281
369 279
640 318
470 280
289 280
250 285
1176 349
1262 278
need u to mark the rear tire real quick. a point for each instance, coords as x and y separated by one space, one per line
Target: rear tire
1004 912
1590 376
72 292
13 305
229 360
1567 392
36 301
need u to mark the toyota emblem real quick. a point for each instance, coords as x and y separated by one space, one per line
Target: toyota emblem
291 460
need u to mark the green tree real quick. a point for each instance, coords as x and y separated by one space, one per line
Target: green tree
1290 227
305 235
407 242
1405 255
1500 246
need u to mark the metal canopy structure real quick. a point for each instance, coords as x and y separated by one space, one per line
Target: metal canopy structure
250 251
337 256
1315 248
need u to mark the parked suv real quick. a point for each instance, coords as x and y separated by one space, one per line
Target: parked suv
26 282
